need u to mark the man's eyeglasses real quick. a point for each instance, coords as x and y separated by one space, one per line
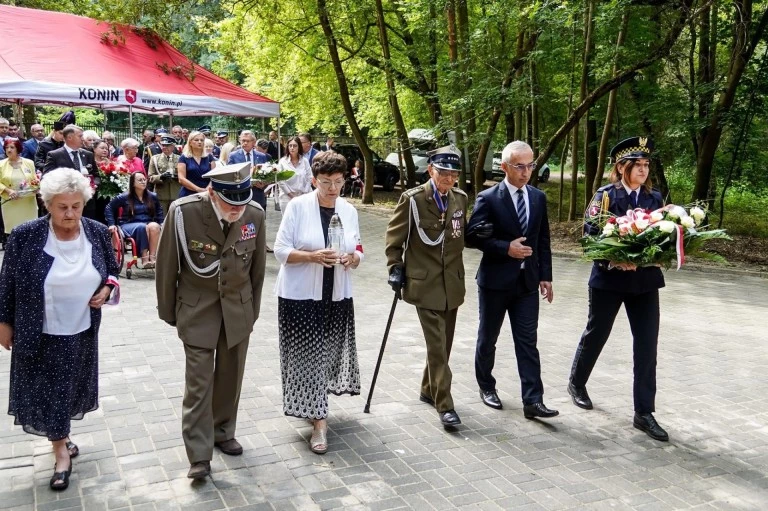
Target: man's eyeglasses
448 173
521 167
327 184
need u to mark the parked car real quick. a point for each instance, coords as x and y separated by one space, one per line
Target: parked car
498 174
385 174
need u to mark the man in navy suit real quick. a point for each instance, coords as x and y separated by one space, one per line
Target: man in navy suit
30 146
306 144
509 225
248 153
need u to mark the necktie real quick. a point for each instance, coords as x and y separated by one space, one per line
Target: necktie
633 198
225 227
76 161
248 157
522 215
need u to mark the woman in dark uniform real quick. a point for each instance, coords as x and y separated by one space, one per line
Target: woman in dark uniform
613 284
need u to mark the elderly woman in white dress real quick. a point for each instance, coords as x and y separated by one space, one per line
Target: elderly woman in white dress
57 272
316 316
301 182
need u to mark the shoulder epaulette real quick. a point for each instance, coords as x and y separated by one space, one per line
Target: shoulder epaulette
606 187
460 191
256 205
414 191
189 199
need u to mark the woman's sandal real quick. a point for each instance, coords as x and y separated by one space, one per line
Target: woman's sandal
318 443
73 449
60 480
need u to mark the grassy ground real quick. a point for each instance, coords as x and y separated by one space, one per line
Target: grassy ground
746 219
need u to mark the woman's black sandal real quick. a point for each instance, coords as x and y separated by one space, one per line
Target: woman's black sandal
73 449
62 478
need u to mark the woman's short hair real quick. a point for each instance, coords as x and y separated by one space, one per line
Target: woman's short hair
187 151
64 180
15 142
328 163
129 142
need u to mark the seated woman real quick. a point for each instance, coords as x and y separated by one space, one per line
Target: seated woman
139 216
129 158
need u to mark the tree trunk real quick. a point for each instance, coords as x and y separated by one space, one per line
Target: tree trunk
330 38
742 50
402 133
509 125
590 163
462 29
610 109
453 56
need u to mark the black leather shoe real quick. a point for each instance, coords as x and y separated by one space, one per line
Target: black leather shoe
580 396
490 398
199 470
538 410
646 422
449 418
426 399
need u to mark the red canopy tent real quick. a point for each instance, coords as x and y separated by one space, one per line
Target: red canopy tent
75 61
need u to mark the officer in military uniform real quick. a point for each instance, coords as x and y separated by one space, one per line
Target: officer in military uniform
612 284
424 244
154 148
209 275
162 172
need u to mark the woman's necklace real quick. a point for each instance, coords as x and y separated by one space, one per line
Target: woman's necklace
80 248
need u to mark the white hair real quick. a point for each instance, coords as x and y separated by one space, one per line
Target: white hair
90 135
516 147
64 180
129 142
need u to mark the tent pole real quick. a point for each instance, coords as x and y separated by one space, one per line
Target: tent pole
278 134
130 121
170 121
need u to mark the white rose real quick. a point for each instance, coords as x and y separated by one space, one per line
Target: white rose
641 224
687 222
608 229
666 226
676 212
657 216
698 214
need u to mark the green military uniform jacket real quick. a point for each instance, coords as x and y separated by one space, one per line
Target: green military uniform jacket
167 190
199 305
434 274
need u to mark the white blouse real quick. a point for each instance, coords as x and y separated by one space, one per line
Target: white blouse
301 229
301 182
69 286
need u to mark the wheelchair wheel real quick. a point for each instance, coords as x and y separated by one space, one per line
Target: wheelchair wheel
119 249
128 273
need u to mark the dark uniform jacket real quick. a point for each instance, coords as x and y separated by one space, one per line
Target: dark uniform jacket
434 274
199 305
497 269
43 148
643 279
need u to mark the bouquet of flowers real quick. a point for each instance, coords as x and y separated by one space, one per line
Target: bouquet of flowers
29 187
268 173
112 180
651 238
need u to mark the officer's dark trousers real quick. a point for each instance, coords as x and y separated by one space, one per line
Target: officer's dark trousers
438 328
643 313
211 396
522 306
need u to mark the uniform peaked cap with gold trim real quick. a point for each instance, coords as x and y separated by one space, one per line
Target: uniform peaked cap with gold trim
632 148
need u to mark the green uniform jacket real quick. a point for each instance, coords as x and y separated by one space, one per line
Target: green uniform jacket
434 274
199 305
167 191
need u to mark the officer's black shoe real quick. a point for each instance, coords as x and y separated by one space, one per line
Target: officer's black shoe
580 396
426 399
538 410
449 418
490 398
646 422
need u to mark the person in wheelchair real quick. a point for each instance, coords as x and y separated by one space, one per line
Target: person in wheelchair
354 180
138 214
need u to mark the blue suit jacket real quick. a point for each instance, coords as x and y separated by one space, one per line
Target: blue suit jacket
22 278
30 148
239 157
497 269
642 280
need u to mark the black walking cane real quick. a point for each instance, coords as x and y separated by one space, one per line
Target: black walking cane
367 408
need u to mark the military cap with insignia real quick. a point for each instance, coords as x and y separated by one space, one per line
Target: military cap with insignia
204 129
167 140
632 148
232 183
161 131
445 158
222 134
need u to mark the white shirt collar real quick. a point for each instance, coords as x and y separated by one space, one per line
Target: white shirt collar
629 190
71 150
513 189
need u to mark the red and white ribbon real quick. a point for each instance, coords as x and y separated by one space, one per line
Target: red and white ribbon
680 246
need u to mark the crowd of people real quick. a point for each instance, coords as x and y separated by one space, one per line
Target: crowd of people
210 258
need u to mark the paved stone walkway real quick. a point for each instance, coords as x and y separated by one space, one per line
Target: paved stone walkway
713 400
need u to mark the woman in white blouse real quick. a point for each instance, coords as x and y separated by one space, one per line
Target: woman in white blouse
57 273
316 316
301 182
